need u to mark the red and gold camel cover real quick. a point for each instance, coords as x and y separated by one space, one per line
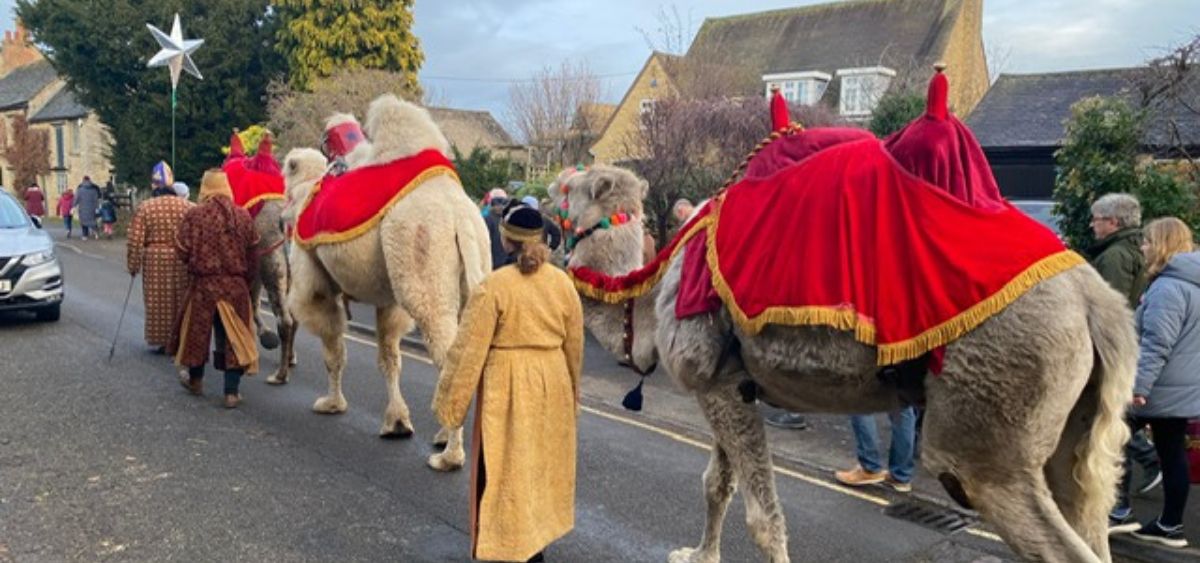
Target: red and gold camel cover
252 187
340 208
848 239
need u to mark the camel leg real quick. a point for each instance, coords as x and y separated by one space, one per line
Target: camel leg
275 281
1021 508
719 485
391 323
430 291
739 432
1066 489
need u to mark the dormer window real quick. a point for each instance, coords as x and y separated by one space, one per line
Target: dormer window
862 88
804 88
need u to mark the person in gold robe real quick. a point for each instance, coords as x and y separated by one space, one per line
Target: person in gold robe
150 251
520 347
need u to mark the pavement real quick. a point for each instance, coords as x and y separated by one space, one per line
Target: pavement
113 461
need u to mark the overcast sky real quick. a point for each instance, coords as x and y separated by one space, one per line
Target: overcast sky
474 49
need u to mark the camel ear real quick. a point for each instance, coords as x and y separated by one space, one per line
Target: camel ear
603 184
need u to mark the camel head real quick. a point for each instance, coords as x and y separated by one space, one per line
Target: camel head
593 196
399 129
590 197
301 170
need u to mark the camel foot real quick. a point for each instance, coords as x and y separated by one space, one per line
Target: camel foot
441 438
292 362
447 461
277 378
269 339
691 555
330 405
400 430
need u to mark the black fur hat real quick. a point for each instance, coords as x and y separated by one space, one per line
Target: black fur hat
522 224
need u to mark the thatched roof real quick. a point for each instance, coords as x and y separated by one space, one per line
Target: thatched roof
899 34
1029 110
468 129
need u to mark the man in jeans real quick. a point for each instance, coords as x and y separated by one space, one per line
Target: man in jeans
870 469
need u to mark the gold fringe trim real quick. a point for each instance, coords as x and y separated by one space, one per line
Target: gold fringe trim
843 318
261 198
358 230
618 297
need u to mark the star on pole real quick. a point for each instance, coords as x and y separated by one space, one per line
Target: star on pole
176 53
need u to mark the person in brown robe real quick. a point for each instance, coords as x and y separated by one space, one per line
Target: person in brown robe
150 251
217 241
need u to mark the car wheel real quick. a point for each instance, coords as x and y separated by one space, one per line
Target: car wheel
50 314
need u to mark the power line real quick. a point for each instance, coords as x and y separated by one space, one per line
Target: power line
521 80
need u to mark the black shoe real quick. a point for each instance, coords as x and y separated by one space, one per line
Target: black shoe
1122 525
1153 532
788 420
539 558
1153 479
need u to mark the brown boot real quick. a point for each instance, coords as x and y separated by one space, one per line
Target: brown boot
232 401
194 385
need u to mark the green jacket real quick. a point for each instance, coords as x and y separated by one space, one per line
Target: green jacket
1118 258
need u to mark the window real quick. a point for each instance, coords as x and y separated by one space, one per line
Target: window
58 145
862 88
60 180
76 135
798 87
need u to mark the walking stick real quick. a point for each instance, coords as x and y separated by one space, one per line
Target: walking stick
121 320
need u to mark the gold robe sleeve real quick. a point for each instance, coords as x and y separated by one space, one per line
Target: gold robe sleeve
135 245
465 359
573 343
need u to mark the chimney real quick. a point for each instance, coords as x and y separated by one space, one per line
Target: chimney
17 50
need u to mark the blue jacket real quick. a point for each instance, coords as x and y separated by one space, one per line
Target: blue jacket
1168 323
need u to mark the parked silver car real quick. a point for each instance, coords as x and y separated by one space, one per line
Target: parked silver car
30 276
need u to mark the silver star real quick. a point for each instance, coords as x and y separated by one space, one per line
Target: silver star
176 52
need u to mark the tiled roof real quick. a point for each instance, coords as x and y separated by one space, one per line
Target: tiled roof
23 83
61 107
467 129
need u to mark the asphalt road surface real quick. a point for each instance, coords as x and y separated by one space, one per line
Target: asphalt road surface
113 461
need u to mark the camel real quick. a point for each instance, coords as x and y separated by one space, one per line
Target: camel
417 265
272 275
1024 424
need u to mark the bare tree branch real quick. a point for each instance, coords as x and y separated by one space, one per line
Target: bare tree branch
672 33
544 108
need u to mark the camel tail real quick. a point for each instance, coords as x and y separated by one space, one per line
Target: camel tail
1098 457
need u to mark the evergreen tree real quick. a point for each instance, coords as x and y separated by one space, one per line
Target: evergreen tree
101 48
320 37
894 111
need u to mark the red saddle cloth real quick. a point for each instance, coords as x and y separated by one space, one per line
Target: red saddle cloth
847 238
252 187
340 208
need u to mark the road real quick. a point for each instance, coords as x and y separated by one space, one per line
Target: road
113 461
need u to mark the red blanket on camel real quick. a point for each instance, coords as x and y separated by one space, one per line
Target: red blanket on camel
848 239
340 208
252 187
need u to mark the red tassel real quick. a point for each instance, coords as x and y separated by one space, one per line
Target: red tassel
779 111
936 104
235 146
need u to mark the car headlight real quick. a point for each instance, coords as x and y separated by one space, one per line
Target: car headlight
37 258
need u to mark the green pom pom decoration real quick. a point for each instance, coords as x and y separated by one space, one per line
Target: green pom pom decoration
605 223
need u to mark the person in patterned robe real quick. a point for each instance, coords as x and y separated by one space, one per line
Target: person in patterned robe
150 251
217 241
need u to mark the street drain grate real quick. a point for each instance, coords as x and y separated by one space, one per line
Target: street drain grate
929 516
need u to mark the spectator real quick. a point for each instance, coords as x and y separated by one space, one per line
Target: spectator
1116 224
553 231
1167 391
66 205
108 215
87 202
520 347
900 456
35 201
497 200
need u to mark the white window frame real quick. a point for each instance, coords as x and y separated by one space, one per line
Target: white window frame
862 88
798 87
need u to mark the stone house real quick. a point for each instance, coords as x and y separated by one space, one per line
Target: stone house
30 87
846 55
1020 123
